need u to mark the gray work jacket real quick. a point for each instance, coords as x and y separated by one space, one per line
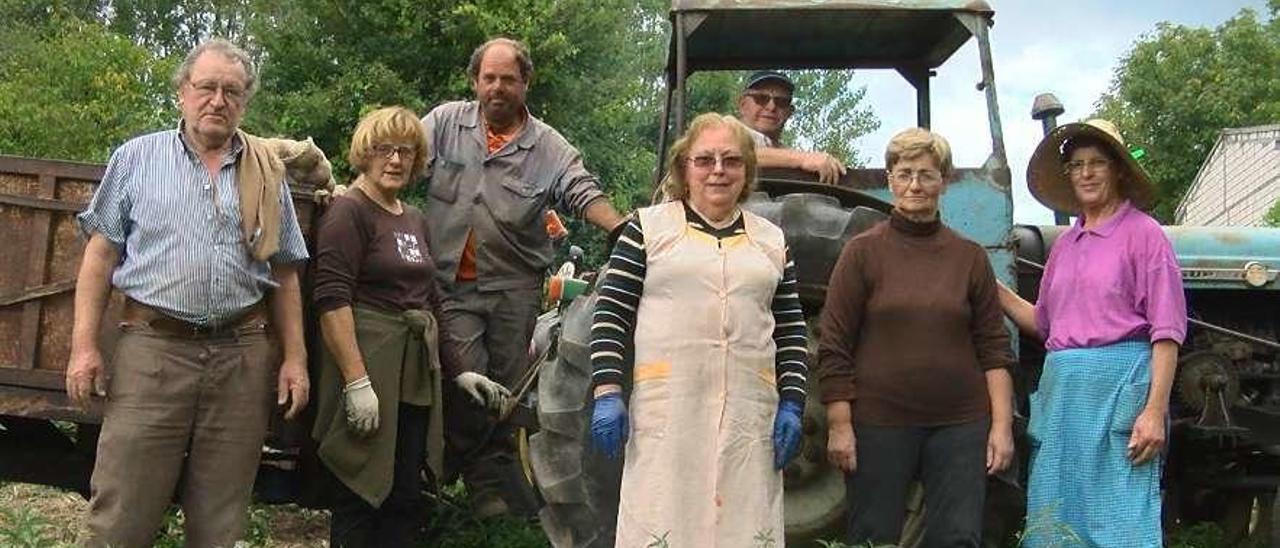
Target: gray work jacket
500 196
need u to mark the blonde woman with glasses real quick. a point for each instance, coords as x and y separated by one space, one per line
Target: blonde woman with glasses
699 316
379 417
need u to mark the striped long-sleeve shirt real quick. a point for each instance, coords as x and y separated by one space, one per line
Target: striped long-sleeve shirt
613 328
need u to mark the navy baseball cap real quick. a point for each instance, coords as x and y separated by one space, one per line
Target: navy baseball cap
769 75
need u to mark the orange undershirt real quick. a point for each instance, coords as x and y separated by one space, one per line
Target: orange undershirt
467 264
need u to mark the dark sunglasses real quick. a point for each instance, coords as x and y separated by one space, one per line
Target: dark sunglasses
761 99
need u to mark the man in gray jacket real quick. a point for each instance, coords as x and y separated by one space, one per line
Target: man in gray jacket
495 172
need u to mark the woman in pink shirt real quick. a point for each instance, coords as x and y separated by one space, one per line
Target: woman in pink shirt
1112 314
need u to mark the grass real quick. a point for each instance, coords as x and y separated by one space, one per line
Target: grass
42 517
451 523
33 516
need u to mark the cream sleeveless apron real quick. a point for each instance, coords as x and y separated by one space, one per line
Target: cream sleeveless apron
699 460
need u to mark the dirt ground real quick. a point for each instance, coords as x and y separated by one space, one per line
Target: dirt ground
283 526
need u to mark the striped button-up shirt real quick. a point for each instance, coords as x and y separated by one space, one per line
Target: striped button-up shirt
178 231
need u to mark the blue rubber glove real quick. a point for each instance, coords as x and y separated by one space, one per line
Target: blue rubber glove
609 427
786 432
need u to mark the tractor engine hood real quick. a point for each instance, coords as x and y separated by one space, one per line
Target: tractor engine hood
1210 257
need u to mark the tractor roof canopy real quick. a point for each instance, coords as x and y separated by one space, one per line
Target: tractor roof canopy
828 34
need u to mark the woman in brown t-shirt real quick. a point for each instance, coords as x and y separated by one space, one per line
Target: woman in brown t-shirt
376 294
913 359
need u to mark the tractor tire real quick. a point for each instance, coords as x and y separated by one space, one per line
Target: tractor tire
816 228
579 486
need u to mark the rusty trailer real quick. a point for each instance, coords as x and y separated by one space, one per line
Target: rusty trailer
45 439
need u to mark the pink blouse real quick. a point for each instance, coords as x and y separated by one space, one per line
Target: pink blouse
1110 283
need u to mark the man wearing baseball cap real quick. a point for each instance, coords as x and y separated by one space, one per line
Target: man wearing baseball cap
765 106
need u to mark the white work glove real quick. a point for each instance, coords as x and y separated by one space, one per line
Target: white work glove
484 391
362 406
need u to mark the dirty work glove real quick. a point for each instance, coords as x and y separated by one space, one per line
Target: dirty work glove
786 432
491 395
609 427
362 406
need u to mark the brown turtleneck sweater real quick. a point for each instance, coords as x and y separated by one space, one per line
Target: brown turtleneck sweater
910 326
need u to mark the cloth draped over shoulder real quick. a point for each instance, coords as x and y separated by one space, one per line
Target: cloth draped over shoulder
260 169
258 176
402 359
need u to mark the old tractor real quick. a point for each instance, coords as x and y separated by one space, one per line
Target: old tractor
579 487
1224 450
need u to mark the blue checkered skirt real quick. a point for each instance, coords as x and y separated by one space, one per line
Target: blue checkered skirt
1083 490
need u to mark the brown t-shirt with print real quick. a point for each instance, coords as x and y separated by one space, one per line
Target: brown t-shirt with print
369 256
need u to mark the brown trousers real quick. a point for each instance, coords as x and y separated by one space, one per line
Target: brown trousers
181 411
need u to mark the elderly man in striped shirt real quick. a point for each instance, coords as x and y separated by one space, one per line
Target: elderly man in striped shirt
195 227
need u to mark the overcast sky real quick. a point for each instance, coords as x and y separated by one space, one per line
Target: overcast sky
1067 48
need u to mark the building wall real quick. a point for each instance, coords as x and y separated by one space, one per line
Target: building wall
1239 181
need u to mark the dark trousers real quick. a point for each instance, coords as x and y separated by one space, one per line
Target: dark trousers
493 329
951 463
357 524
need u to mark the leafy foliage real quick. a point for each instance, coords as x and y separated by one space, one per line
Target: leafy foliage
171 534
831 114
452 523
72 89
25 528
598 66
1179 85
1272 218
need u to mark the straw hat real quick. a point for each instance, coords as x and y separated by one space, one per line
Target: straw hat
1049 183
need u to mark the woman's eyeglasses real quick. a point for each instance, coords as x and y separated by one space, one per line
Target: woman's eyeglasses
388 150
926 177
708 161
1094 165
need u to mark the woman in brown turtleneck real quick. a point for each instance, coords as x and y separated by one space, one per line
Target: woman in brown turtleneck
913 361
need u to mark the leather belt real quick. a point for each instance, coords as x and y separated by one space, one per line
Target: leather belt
251 319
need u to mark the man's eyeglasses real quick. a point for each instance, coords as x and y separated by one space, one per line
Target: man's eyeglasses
208 88
388 150
1094 165
783 102
926 177
708 161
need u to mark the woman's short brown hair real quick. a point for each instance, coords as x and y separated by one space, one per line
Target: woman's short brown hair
385 125
675 184
915 142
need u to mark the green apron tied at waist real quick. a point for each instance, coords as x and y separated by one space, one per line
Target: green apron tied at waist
401 356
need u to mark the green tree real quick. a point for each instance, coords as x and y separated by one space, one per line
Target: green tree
71 89
1272 218
324 63
1179 86
831 115
170 28
42 13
